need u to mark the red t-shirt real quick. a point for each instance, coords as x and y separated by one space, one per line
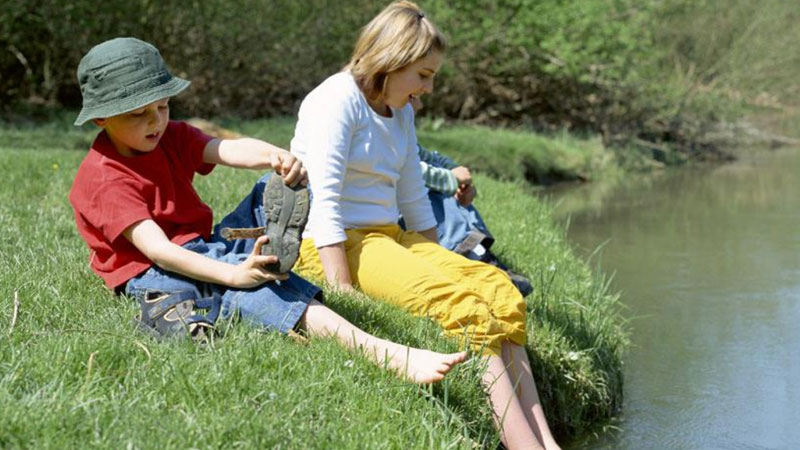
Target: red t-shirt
111 192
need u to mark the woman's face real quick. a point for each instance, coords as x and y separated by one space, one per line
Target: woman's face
412 81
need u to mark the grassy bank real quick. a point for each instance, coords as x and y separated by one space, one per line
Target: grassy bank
74 373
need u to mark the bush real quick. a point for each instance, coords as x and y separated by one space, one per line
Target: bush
543 63
247 57
641 71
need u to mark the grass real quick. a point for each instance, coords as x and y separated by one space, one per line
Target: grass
521 156
75 373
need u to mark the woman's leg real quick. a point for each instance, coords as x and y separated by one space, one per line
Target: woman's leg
416 365
520 370
430 285
509 415
426 286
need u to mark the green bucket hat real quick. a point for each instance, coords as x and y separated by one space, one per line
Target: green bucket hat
121 75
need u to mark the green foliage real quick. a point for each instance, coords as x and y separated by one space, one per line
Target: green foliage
634 72
740 49
251 57
548 63
74 373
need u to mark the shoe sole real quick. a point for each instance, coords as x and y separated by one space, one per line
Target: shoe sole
285 213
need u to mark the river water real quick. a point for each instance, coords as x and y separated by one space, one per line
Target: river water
708 265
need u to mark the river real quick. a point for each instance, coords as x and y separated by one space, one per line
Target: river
708 264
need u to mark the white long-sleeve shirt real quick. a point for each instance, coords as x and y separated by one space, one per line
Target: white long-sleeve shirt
363 168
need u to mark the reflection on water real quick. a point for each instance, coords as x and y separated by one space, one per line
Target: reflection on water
708 262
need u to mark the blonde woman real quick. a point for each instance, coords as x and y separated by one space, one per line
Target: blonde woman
355 134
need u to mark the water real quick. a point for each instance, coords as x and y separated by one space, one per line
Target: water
708 263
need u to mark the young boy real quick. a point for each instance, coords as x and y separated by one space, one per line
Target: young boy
150 234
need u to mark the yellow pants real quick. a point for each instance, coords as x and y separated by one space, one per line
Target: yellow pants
473 301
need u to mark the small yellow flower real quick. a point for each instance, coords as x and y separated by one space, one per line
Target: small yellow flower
55 167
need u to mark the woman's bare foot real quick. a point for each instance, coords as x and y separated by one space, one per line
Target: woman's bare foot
551 445
413 364
420 366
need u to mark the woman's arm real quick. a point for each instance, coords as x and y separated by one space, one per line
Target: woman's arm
334 263
248 153
150 239
430 234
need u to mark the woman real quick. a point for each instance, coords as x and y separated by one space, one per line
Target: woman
355 135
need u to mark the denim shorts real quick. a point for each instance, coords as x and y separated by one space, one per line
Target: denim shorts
275 305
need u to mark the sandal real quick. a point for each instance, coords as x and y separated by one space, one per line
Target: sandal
172 314
285 214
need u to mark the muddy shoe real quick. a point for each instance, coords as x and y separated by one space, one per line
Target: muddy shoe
285 216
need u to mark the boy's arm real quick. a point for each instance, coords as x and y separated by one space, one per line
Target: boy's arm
150 239
435 159
442 174
249 153
439 179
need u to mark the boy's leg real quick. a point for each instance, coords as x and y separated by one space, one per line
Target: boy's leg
272 306
416 365
168 300
458 228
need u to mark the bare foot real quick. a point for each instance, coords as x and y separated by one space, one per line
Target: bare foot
422 366
550 444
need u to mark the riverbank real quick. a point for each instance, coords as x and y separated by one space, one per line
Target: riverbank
74 372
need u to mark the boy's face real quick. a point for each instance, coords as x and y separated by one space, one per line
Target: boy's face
139 130
413 80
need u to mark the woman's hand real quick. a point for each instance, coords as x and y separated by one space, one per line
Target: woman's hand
334 263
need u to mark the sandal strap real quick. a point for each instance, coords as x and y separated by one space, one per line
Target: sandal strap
157 309
174 327
212 304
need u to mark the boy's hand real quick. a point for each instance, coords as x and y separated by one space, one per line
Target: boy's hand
251 272
463 175
288 167
466 194
466 190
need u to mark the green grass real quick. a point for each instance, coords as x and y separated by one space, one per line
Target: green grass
75 373
521 156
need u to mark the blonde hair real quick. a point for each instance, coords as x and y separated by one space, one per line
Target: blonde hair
398 36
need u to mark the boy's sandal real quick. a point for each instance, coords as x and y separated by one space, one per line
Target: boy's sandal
167 315
285 214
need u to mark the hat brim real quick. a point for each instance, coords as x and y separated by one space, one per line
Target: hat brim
169 89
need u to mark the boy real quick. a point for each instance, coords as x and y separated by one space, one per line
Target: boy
150 234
